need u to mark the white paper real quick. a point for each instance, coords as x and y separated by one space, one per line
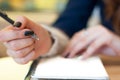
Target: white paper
75 68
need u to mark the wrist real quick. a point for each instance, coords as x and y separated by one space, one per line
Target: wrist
51 38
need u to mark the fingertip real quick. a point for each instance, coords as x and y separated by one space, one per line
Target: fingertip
85 56
66 55
20 22
17 24
63 55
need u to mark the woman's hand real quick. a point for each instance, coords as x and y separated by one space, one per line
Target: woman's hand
92 41
24 48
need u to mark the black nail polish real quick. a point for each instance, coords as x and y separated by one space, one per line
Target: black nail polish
17 24
28 33
66 56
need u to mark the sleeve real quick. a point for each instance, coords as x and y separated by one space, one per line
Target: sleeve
60 41
75 16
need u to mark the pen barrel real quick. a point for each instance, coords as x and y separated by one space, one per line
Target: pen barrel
4 16
8 19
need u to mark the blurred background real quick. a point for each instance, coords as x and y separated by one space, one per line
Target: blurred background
33 5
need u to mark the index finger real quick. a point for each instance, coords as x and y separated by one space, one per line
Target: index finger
7 35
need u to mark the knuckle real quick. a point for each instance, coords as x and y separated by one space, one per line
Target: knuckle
104 30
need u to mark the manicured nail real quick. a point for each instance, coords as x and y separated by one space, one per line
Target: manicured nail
28 33
17 24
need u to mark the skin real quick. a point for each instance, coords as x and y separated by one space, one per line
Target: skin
94 40
24 48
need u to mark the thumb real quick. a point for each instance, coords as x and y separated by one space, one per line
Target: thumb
22 22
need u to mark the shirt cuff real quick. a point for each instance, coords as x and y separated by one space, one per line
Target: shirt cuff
60 41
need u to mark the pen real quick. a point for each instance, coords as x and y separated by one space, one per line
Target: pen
27 33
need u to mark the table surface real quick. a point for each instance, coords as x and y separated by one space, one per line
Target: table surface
112 66
113 72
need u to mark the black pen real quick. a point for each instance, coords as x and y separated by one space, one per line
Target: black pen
18 24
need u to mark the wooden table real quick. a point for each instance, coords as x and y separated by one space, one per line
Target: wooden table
113 71
19 71
112 66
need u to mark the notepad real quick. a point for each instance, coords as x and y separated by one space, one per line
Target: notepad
59 68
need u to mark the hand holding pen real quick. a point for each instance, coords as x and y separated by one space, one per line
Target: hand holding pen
21 39
17 24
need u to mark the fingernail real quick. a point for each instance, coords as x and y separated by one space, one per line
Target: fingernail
28 33
67 55
17 24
